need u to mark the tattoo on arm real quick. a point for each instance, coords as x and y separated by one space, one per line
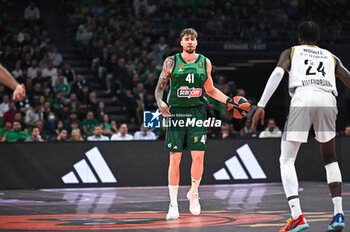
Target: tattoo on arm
164 77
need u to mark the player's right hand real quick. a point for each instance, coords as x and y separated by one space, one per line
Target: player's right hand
19 93
258 115
164 109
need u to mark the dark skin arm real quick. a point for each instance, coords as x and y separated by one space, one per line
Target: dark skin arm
283 62
342 73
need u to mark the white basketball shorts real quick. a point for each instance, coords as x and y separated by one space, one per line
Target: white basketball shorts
311 106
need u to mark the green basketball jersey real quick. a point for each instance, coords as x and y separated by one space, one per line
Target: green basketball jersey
187 82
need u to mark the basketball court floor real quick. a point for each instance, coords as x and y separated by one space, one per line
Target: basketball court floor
241 207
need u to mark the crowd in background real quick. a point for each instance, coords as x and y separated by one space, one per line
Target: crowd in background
126 42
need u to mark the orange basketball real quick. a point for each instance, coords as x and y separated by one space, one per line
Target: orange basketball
239 108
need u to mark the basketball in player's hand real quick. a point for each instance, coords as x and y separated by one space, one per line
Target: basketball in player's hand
239 107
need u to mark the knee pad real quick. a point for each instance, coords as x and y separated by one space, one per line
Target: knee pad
333 173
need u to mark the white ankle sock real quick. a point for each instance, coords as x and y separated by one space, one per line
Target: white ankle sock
295 208
337 201
173 190
194 185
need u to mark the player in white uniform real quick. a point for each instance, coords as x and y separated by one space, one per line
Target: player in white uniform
313 90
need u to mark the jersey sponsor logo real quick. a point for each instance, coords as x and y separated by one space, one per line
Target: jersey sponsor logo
185 91
200 64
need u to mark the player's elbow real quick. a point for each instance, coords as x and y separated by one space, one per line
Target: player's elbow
209 91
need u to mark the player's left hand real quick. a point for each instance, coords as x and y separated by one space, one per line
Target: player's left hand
164 109
259 115
19 93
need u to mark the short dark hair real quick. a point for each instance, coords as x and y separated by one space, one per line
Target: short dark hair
188 31
309 31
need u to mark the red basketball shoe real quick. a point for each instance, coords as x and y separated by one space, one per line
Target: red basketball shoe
296 225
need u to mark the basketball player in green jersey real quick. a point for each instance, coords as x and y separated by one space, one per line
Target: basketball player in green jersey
189 74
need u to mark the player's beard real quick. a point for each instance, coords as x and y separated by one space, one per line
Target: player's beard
190 50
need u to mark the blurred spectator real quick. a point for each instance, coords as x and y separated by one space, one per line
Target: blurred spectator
123 134
82 110
61 137
272 131
57 103
62 86
50 72
64 114
150 103
4 106
76 136
84 95
10 114
114 128
156 55
101 111
89 122
34 136
32 13
69 73
120 77
33 115
44 63
55 57
17 72
50 124
144 134
92 103
7 127
73 103
97 136
60 125
33 69
246 131
225 132
73 117
347 130
14 135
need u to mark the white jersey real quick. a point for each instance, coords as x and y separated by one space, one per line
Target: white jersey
312 66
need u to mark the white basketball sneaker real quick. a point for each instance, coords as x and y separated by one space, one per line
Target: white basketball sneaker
195 207
173 213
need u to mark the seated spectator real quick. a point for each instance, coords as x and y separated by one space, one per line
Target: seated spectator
97 136
144 134
4 106
17 72
225 132
347 130
77 86
76 136
246 131
62 86
123 134
32 12
34 136
73 103
32 70
101 111
50 124
60 125
50 71
73 117
61 137
3 130
55 57
92 103
89 122
82 110
69 73
44 63
33 115
9 116
272 131
57 103
15 134
114 128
